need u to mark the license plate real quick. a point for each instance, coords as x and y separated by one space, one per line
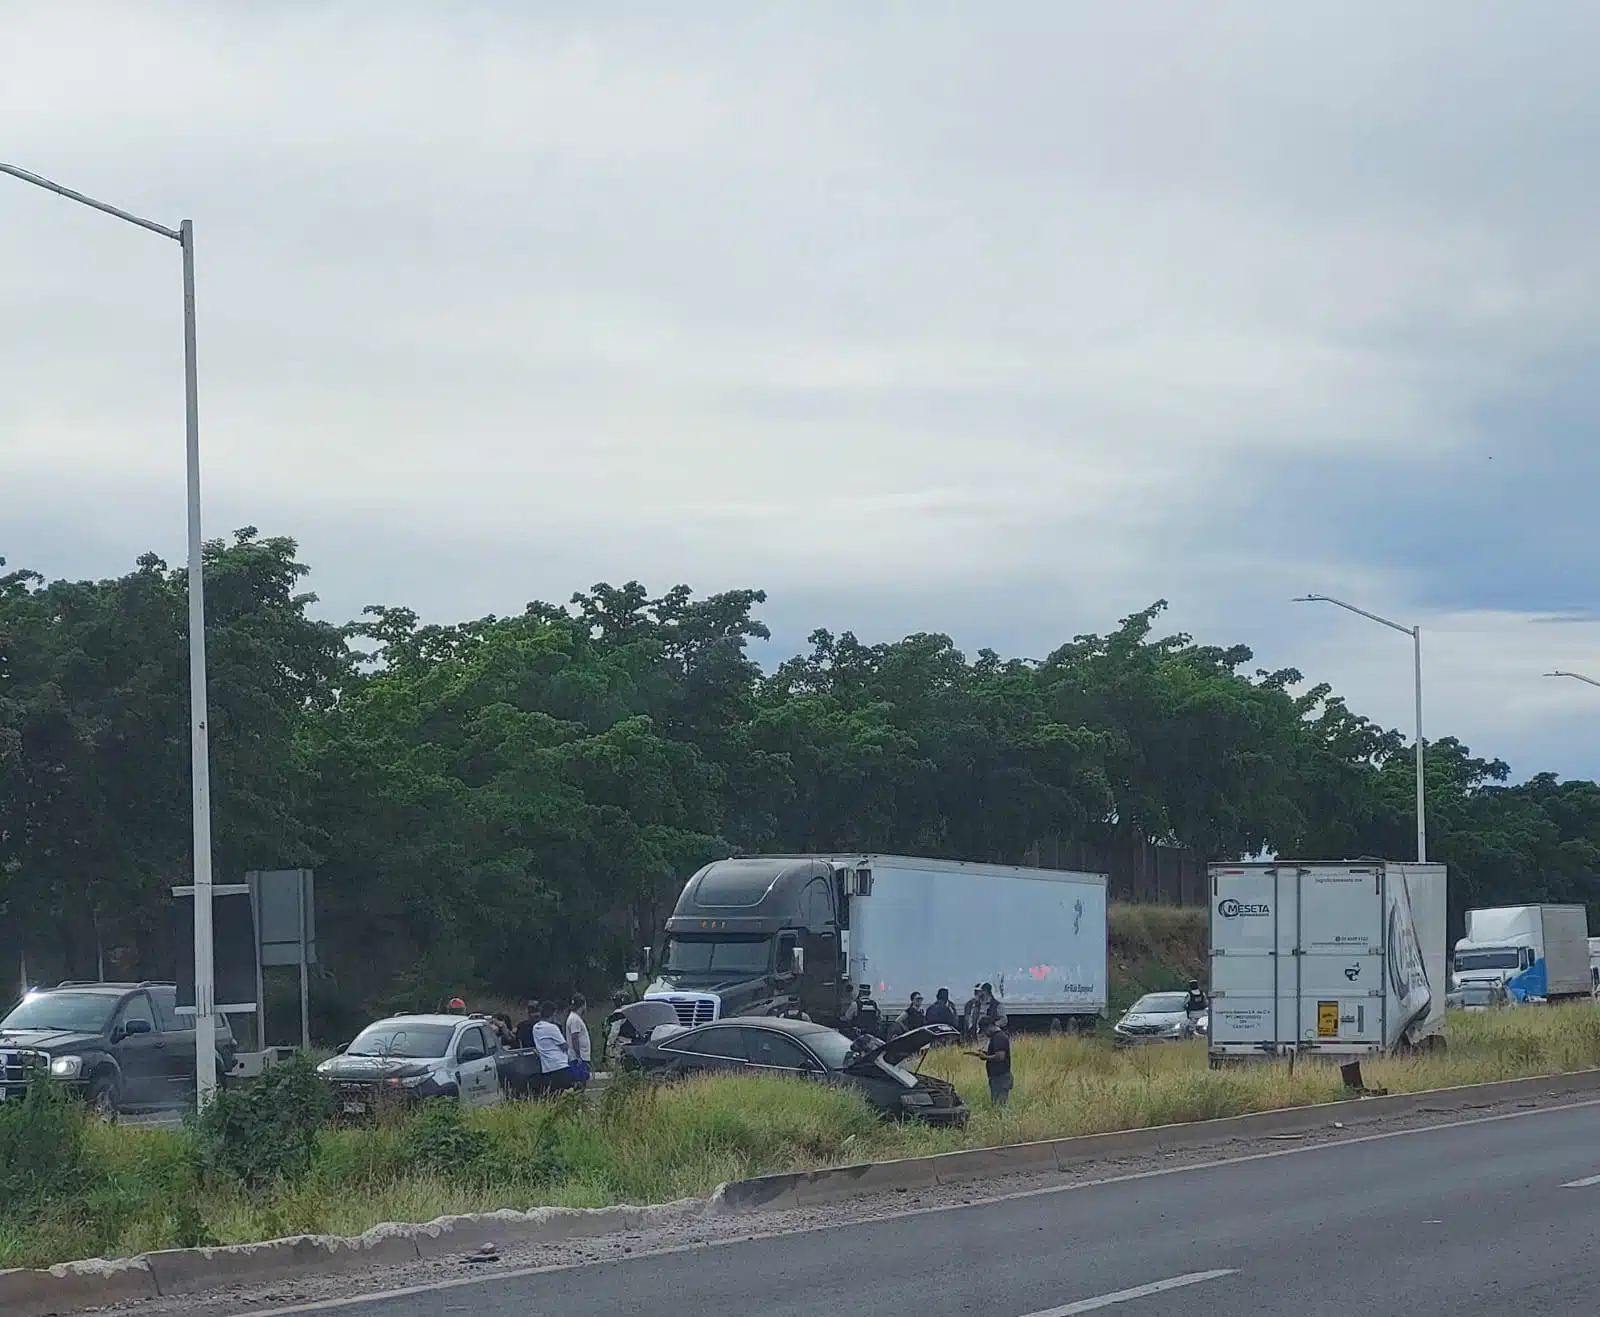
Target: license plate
355 1108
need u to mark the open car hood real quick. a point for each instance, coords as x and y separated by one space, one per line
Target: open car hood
909 1044
639 1019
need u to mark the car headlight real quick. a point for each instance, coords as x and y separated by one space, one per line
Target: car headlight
916 1099
1175 1030
66 1067
409 1081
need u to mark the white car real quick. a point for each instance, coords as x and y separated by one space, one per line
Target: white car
409 1057
1159 1017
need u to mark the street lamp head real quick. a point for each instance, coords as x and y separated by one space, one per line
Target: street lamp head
1309 599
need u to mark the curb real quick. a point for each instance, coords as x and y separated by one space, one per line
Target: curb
72 1286
836 1184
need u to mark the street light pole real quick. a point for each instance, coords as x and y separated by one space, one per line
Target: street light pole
199 746
1576 676
1415 632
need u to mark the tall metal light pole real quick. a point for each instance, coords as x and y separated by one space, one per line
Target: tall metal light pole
199 748
1576 676
1415 632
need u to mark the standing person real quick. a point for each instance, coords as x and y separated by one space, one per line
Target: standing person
914 1016
992 1009
457 1006
525 1028
942 1011
865 1015
996 1060
504 1030
554 1058
578 1048
971 1013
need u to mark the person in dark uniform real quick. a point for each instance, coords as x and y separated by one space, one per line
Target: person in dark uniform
996 1058
943 1010
1194 1000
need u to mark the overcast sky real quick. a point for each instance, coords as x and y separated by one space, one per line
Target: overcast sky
1000 320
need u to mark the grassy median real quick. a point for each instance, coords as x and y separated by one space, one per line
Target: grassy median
71 1188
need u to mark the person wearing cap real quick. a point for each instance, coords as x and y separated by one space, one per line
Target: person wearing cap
996 1058
992 1009
457 1006
972 1012
1194 1000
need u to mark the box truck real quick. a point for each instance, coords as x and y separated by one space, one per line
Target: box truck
774 935
1539 951
1344 958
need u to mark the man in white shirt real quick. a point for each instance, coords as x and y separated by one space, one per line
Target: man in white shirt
551 1044
578 1042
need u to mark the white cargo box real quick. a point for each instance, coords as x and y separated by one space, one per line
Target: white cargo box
1038 935
1345 958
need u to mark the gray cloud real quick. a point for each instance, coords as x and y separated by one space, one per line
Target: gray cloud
1001 322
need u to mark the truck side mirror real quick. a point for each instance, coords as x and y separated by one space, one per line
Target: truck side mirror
797 959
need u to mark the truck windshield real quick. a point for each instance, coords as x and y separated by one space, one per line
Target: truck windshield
736 956
411 1041
1489 958
74 1012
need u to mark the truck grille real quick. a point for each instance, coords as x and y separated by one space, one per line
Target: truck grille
15 1068
691 1013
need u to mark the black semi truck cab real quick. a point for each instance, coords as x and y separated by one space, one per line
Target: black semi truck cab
762 935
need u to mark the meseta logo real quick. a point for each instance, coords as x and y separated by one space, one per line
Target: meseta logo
1231 909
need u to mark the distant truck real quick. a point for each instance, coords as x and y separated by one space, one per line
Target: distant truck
1539 951
777 935
1339 958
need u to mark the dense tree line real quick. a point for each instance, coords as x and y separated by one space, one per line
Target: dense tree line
509 803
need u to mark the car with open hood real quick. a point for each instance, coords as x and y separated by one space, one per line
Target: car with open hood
1159 1017
801 1049
408 1057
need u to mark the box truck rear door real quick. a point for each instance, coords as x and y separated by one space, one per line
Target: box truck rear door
1249 976
1341 931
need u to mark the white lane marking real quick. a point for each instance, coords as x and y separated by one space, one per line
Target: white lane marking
1582 1184
1137 1292
752 1236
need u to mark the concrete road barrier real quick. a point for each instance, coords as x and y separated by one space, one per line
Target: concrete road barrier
73 1286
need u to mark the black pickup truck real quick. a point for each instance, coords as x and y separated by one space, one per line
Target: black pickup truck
119 1046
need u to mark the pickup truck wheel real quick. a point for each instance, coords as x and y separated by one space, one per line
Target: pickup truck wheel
105 1097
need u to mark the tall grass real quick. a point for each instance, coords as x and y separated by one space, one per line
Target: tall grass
122 1190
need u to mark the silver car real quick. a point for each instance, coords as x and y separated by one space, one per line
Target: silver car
407 1057
1159 1017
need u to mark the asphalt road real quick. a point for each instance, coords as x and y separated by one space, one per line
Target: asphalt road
1481 1218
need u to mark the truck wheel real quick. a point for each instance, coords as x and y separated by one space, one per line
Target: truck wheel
105 1096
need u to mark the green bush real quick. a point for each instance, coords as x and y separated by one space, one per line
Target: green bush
264 1132
437 1139
41 1148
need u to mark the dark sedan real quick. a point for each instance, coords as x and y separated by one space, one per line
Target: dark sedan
802 1050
